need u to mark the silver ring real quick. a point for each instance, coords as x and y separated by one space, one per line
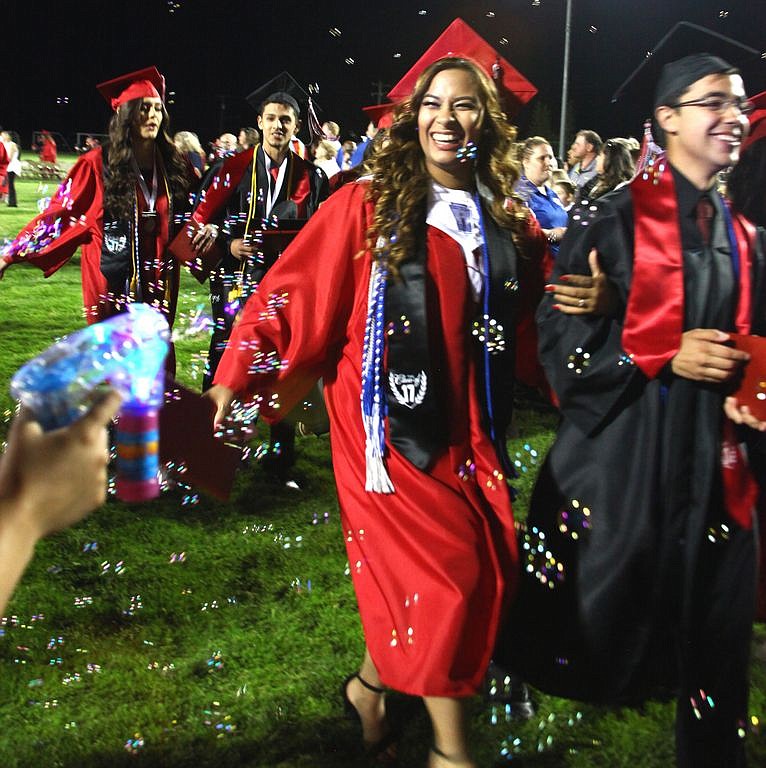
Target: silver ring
581 303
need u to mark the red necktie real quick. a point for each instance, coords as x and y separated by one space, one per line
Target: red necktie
704 214
274 171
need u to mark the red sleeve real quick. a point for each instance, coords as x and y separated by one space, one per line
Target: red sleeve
51 238
292 329
532 274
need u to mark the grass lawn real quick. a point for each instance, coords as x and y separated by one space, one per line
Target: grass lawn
187 632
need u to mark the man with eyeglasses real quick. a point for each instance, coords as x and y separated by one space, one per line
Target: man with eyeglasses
644 508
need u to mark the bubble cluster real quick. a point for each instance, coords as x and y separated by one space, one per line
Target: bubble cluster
624 359
135 744
702 704
574 519
490 333
118 569
400 326
220 722
526 454
136 604
578 361
540 561
467 470
215 662
718 534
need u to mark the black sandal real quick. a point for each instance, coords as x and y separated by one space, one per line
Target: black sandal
383 751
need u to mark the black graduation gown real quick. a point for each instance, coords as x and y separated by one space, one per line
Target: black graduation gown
300 175
634 579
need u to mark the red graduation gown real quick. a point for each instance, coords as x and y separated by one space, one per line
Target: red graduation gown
75 218
434 563
48 151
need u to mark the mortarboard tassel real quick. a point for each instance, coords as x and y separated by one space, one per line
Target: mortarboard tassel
650 150
315 127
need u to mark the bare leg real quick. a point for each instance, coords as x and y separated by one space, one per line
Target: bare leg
450 743
370 706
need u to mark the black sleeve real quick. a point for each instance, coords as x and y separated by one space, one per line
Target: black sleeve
582 354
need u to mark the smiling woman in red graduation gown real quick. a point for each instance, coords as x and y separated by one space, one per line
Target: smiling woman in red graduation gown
415 314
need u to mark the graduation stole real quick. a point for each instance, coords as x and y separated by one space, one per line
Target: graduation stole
225 182
654 318
120 251
297 189
404 392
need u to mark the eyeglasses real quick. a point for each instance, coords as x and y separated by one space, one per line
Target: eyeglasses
718 105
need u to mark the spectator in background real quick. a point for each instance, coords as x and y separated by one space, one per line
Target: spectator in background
364 144
348 147
14 166
614 169
248 137
187 143
583 153
324 158
565 191
227 144
532 187
331 132
48 150
634 147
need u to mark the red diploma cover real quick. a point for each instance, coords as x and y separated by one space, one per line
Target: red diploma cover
752 388
186 437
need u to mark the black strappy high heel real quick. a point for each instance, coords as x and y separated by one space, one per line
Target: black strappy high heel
383 751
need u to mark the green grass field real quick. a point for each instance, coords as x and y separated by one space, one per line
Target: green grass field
187 632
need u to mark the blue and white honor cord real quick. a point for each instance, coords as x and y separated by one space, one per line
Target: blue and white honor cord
373 398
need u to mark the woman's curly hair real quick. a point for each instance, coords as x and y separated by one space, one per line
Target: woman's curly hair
400 181
120 179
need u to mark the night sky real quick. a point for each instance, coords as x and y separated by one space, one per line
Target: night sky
214 53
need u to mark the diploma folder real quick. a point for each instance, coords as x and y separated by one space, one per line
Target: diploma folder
186 437
752 387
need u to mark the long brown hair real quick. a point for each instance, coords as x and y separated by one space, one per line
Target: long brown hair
120 179
400 181
618 167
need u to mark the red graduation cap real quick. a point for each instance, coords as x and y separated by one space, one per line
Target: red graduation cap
757 121
380 114
460 40
144 83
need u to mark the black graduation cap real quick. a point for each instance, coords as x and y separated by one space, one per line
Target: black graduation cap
284 82
681 47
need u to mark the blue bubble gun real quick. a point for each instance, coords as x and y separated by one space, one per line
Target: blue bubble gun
126 351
